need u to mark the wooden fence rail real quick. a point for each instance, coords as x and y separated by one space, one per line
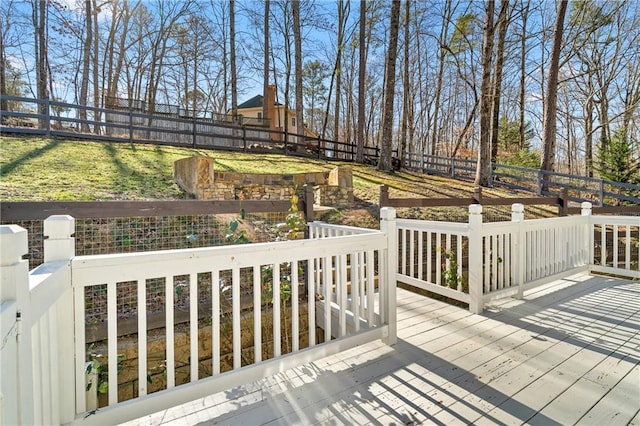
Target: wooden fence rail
132 125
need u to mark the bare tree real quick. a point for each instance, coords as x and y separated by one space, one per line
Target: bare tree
265 74
483 168
386 146
549 124
297 41
361 80
232 60
503 23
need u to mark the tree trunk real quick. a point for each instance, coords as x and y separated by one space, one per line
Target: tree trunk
444 35
503 23
549 121
523 75
406 87
361 80
265 86
297 40
483 167
232 53
385 163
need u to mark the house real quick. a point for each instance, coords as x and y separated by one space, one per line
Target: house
275 118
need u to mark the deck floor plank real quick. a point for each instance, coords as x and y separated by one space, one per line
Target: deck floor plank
568 353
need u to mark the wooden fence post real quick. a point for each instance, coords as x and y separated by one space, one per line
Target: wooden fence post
308 203
16 386
388 225
517 216
476 293
563 202
477 195
384 196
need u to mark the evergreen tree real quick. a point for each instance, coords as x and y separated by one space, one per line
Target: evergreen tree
618 160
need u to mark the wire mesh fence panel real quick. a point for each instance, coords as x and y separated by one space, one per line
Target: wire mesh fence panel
139 234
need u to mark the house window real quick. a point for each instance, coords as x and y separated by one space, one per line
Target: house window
259 116
293 122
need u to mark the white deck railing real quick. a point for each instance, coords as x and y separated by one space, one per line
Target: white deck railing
346 280
347 275
475 262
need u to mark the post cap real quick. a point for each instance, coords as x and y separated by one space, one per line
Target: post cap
13 244
59 226
387 213
517 208
475 209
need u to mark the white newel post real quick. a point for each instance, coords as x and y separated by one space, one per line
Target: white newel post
16 386
476 293
389 226
517 216
589 238
59 245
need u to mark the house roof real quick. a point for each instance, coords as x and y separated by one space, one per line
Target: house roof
255 102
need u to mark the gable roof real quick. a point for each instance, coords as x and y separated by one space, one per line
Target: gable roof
255 102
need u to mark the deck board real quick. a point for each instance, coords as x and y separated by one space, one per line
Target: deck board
569 353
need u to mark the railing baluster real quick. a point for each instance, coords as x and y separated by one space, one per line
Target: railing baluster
112 337
459 260
193 326
438 258
312 271
80 350
257 315
356 282
614 246
295 320
420 259
215 321
142 336
326 283
342 283
412 251
169 331
370 288
627 248
429 255
277 341
235 306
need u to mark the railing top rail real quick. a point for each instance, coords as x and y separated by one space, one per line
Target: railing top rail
433 226
615 220
353 229
167 262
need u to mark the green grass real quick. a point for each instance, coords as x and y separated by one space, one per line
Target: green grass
36 169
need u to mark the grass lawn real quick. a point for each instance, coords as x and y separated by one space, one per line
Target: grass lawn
37 169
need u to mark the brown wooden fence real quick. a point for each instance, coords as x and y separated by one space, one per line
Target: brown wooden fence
562 202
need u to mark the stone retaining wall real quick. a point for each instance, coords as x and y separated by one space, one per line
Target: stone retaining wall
196 176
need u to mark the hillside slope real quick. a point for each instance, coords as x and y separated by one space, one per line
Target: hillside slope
35 169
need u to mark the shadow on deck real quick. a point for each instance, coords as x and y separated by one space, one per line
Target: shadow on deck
568 353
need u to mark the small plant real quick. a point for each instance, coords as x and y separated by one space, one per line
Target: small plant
235 234
450 269
94 365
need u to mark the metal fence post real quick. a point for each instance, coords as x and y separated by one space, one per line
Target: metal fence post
476 293
388 306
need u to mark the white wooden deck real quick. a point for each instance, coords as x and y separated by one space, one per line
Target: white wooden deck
568 353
